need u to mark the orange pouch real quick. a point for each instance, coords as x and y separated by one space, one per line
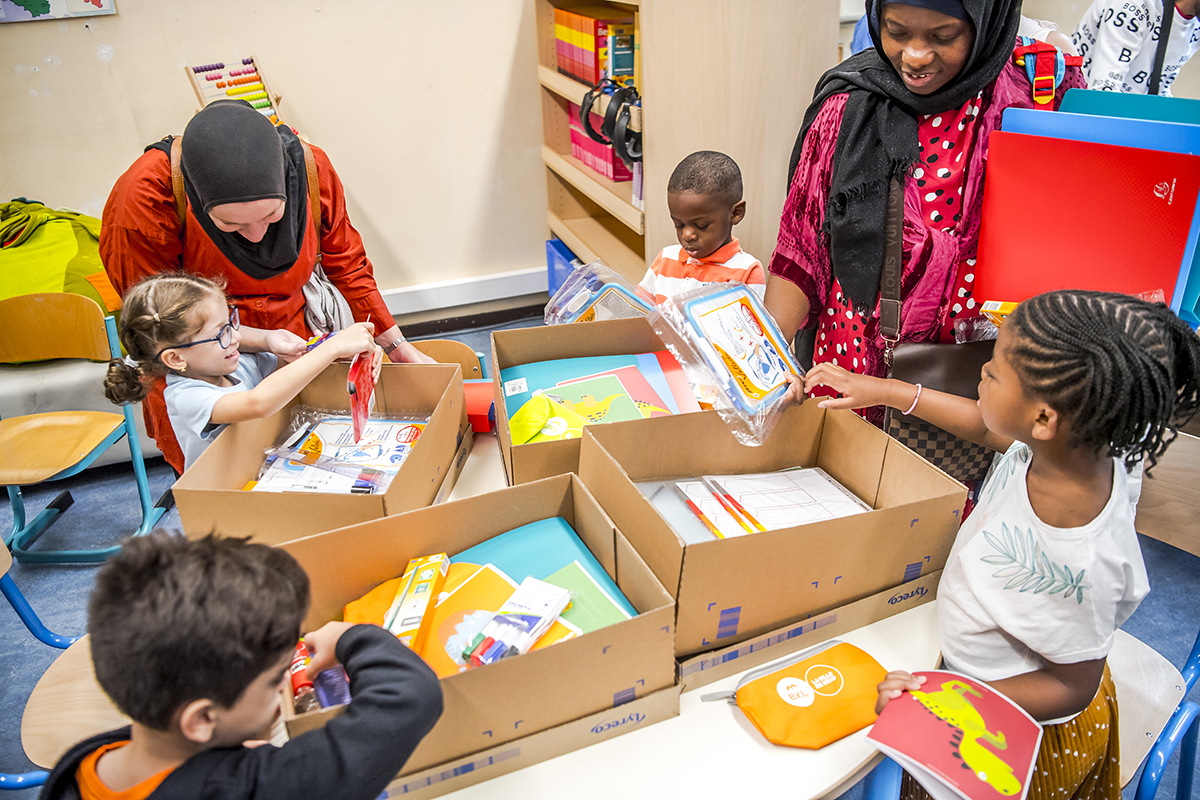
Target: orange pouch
812 698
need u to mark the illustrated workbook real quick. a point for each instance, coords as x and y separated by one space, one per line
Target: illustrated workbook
960 739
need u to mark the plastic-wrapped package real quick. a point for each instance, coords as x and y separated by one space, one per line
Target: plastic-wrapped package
733 354
319 453
595 292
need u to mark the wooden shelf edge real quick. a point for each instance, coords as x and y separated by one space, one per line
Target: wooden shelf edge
574 91
595 188
589 240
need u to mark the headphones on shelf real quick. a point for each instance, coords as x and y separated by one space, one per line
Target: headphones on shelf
614 130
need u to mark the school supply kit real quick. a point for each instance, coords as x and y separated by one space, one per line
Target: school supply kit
330 452
721 506
733 354
812 698
594 292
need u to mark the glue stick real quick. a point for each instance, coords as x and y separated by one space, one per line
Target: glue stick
304 696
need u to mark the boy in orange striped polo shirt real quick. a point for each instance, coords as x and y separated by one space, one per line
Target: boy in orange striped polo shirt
704 197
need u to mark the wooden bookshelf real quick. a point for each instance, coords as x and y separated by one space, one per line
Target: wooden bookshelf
727 75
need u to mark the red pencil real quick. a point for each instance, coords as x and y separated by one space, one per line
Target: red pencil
696 510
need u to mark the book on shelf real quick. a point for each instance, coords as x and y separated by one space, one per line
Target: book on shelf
593 43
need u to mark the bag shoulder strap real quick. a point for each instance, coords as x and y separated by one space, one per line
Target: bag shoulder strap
889 286
310 168
1160 53
177 182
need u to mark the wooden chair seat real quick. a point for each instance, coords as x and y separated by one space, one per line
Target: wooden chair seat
39 446
449 351
66 706
1149 687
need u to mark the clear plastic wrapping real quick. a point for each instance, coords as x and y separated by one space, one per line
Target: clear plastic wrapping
319 453
594 292
733 355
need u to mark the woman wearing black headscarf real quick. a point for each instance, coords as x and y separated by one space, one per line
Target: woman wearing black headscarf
920 107
249 224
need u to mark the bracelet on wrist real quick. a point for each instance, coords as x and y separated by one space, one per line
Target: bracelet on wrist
913 407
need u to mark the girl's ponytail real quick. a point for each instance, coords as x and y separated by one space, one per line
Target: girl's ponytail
156 313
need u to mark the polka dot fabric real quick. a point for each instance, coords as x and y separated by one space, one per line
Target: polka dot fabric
939 174
1077 760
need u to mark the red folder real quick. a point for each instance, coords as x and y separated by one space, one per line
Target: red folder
1062 214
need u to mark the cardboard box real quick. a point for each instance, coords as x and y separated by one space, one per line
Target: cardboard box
210 496
531 462
714 665
730 590
497 704
535 748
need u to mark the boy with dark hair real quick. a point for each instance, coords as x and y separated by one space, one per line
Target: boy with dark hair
193 640
704 197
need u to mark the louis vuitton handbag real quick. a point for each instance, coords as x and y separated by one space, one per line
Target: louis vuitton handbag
950 368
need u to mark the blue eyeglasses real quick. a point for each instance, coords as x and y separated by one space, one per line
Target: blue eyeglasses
224 336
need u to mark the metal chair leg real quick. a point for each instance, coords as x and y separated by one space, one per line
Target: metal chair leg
30 617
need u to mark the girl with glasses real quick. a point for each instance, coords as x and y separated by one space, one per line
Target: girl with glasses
181 326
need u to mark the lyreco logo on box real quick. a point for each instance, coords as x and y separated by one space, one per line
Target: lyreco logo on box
819 679
900 598
628 719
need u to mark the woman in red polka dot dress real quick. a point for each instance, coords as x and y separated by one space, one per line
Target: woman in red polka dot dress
920 107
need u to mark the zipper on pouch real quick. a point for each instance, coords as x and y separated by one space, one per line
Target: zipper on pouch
731 695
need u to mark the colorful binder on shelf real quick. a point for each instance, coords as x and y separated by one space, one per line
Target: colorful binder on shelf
1170 137
1063 214
1133 106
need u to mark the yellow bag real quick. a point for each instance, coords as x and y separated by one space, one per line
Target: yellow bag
812 698
542 420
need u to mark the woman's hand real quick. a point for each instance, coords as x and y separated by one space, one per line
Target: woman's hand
895 684
286 345
857 391
405 353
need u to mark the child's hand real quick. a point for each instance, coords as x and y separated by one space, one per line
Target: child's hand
378 364
285 344
795 394
894 685
358 338
322 646
858 391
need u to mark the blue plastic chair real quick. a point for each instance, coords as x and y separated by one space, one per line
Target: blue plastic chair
56 445
1181 733
27 780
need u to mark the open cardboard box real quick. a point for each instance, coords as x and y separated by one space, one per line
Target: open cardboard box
531 462
491 706
211 498
733 589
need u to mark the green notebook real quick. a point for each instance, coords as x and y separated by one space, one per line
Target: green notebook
591 608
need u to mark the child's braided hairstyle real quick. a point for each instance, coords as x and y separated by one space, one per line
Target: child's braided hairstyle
1124 372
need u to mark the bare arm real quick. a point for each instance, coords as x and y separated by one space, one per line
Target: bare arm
788 304
405 351
284 383
1056 690
958 415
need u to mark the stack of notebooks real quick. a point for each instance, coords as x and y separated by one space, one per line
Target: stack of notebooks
482 578
553 400
1074 199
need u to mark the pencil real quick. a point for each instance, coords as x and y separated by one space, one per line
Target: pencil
715 491
696 510
761 528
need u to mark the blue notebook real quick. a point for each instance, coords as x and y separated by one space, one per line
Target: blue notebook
1133 106
538 550
1168 137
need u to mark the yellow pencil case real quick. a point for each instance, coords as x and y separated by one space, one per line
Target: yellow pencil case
811 698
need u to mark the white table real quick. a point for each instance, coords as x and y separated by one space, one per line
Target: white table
711 750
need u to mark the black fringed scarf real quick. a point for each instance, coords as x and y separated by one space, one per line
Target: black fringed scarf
878 136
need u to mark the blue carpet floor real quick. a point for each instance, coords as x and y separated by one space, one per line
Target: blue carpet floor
106 509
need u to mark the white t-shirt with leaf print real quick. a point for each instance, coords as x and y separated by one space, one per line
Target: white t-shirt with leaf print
1017 593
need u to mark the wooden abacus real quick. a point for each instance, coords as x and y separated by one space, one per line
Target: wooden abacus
238 79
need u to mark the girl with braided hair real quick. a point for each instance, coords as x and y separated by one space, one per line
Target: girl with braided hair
181 326
1082 386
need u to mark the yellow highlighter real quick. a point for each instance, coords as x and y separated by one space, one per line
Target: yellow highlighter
411 614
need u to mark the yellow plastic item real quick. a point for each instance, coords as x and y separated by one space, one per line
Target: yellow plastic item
541 419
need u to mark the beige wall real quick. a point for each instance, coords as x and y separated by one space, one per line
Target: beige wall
429 111
1067 13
